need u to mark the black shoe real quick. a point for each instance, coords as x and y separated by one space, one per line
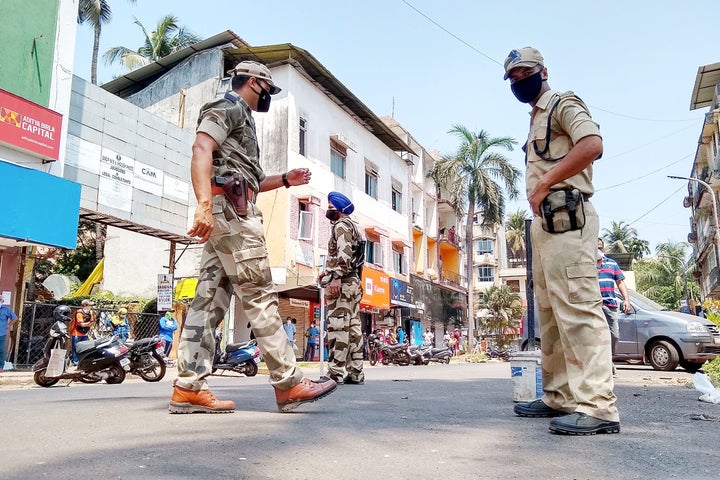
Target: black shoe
536 408
335 378
349 381
582 424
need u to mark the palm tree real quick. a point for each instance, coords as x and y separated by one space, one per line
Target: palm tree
515 232
476 177
504 308
168 37
94 13
668 277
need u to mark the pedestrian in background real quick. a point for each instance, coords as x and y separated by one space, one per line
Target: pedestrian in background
80 326
609 277
7 323
167 328
120 324
226 175
313 335
561 147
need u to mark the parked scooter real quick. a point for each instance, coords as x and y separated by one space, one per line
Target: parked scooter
416 355
103 359
147 358
237 357
387 354
440 355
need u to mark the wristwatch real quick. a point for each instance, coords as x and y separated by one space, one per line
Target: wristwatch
285 180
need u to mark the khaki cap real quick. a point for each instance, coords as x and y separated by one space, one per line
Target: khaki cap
257 70
523 57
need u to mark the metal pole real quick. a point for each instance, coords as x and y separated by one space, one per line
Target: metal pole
323 326
529 292
714 205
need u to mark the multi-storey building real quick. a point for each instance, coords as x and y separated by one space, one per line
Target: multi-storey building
704 182
317 122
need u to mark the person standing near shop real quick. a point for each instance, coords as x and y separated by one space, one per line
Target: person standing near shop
226 175
312 335
341 280
80 327
7 322
167 328
562 145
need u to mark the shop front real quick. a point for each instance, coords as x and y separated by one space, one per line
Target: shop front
438 307
375 303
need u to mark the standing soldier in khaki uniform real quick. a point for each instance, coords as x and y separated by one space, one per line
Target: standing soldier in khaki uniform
562 145
226 175
341 279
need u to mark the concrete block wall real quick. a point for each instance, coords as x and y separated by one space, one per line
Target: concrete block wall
103 119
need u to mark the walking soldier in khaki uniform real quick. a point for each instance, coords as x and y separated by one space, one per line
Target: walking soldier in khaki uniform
576 360
226 176
341 278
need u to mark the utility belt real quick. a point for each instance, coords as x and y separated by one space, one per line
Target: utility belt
563 210
236 190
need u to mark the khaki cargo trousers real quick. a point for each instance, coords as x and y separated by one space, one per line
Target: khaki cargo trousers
574 336
235 260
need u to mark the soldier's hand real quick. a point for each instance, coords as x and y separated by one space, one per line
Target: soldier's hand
202 223
333 288
299 176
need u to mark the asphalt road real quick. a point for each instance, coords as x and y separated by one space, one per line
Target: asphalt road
415 422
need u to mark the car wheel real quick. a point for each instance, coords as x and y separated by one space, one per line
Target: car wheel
690 367
664 356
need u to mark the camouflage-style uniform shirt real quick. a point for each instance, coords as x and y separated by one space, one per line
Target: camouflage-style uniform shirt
571 122
229 122
340 247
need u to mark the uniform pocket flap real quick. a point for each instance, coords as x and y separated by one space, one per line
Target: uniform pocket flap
581 270
250 253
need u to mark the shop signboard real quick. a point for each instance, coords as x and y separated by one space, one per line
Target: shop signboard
29 126
401 293
165 292
376 289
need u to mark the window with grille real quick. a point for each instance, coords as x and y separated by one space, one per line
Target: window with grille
306 222
484 246
338 156
396 199
303 136
371 181
486 273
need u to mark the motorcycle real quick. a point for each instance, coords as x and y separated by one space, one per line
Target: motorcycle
416 355
440 355
493 351
387 354
147 358
237 357
102 359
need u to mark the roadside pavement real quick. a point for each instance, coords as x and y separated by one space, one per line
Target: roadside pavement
416 422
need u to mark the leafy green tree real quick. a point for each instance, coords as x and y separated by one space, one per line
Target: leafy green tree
515 233
504 308
667 278
477 178
81 261
168 37
95 13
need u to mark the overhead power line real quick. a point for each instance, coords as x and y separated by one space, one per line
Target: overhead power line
478 51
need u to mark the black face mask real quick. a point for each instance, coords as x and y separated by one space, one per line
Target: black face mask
332 215
527 89
263 101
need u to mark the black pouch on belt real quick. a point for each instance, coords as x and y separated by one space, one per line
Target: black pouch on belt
563 211
236 191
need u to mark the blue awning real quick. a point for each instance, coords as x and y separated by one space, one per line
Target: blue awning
38 207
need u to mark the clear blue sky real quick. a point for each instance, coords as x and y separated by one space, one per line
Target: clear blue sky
625 59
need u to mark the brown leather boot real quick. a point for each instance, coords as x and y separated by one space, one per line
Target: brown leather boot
202 401
304 392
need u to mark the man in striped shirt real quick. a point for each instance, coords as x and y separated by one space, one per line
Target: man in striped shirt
610 275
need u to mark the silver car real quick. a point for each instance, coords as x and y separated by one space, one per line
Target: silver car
654 335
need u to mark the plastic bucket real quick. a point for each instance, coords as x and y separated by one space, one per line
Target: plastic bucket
526 372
